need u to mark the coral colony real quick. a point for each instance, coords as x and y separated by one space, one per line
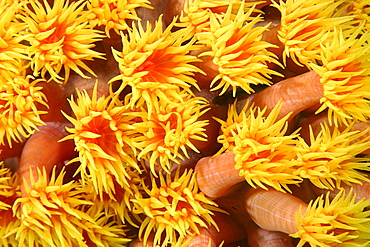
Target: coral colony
184 123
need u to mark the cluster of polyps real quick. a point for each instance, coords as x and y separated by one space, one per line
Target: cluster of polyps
118 130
